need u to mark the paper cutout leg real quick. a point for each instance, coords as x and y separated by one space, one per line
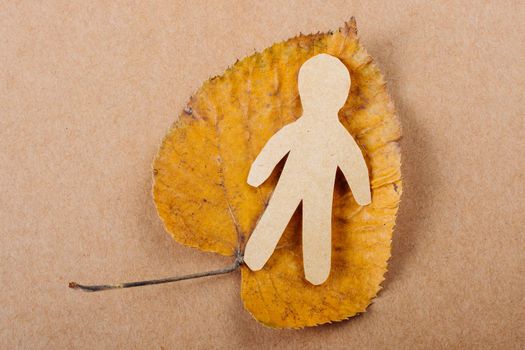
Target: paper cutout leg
317 238
271 226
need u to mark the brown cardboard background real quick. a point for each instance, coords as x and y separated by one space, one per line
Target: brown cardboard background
88 89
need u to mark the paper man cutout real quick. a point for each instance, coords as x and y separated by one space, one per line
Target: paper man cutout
316 144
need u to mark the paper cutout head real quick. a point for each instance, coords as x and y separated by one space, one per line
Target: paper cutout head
332 83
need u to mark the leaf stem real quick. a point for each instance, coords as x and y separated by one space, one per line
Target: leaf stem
97 288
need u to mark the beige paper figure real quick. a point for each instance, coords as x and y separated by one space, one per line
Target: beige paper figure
316 144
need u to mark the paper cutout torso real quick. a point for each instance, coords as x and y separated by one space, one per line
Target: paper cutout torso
316 144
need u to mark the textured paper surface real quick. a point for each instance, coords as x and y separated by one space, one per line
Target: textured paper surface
88 90
316 145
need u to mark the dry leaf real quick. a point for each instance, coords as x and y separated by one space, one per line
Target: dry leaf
202 197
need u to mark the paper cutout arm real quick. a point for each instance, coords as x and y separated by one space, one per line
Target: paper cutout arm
274 150
354 168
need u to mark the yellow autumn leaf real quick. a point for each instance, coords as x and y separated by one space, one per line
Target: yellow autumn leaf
202 197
